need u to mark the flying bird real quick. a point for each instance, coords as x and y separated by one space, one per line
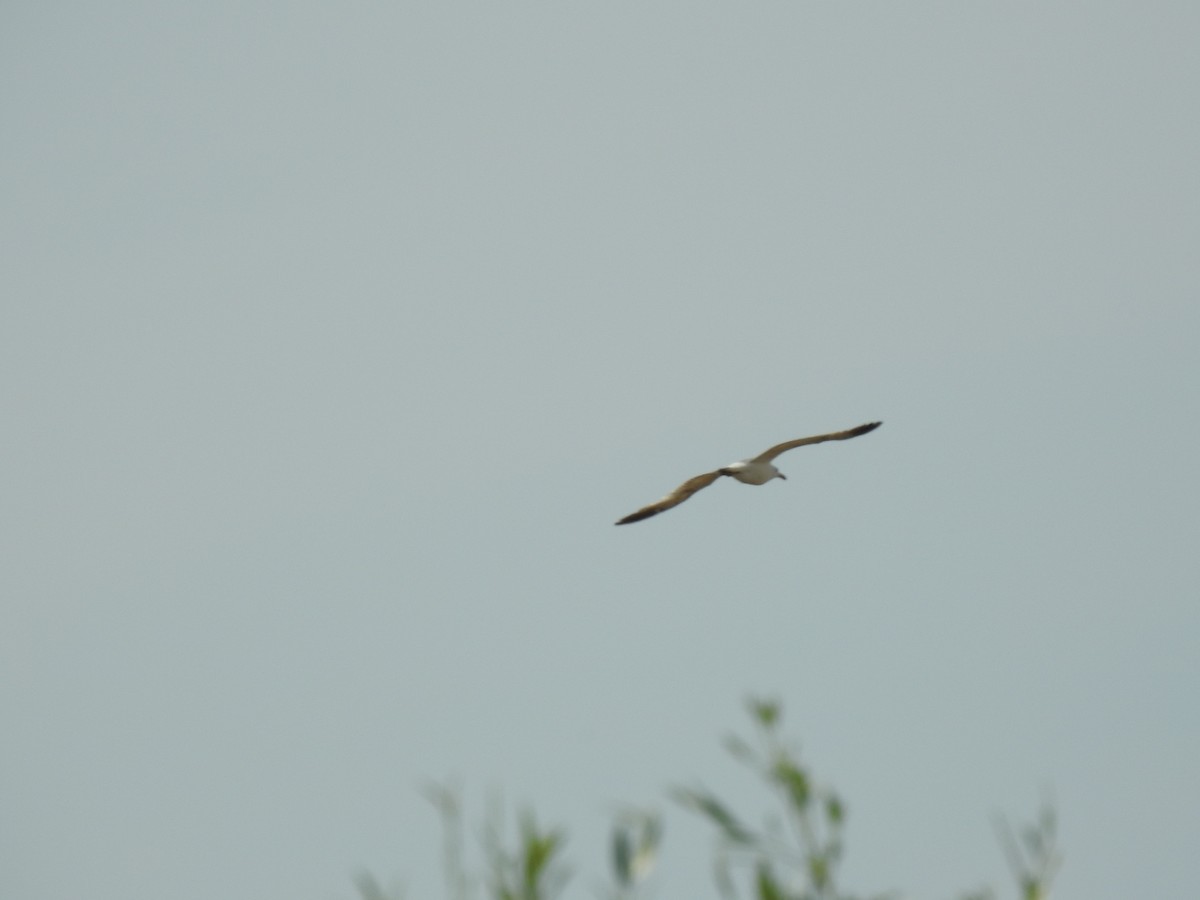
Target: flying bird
756 470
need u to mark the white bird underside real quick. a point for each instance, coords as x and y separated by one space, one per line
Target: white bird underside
756 470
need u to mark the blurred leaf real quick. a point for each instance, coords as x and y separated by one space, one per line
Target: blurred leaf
370 889
652 836
833 852
622 857
712 807
537 855
818 871
643 831
1034 861
794 781
739 749
447 800
443 797
796 858
835 811
765 711
722 875
768 888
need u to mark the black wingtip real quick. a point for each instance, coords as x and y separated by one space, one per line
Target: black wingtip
635 517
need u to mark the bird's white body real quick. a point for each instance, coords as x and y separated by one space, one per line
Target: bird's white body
749 471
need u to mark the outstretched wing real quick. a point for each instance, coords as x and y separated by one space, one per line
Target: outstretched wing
769 455
674 498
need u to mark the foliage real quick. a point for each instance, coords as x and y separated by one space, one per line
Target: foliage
794 855
793 858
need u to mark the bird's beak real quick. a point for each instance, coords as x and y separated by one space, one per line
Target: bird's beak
784 477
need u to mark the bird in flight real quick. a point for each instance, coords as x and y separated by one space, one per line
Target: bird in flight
756 470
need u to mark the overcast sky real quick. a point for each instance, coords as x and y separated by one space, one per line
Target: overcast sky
335 337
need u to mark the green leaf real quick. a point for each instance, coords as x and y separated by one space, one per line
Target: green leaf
768 888
818 872
835 811
794 781
538 853
765 711
739 749
710 806
622 857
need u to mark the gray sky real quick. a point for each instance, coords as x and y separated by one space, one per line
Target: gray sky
335 338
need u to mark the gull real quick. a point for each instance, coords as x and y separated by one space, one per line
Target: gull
756 470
